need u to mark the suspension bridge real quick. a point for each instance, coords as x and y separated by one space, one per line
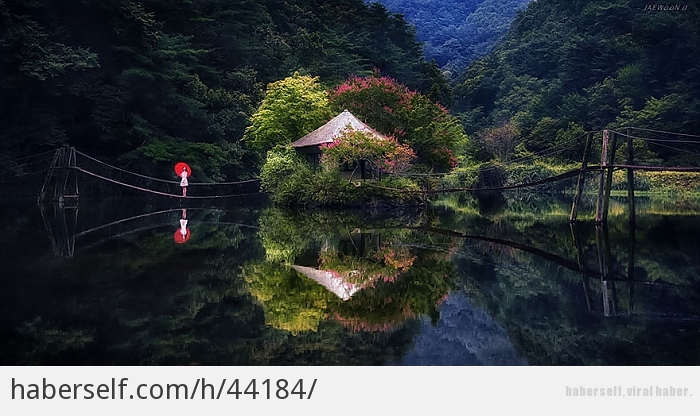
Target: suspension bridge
61 182
609 143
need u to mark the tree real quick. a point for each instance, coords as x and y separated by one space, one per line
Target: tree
501 141
410 117
139 83
292 107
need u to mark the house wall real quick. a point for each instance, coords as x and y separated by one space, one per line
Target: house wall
311 153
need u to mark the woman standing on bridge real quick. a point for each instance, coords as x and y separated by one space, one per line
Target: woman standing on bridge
183 181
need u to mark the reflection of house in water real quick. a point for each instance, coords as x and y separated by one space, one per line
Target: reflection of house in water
332 281
354 246
359 244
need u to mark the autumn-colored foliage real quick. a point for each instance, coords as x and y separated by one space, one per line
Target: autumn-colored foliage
385 154
410 117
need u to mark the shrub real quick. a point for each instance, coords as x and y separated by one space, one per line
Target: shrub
291 181
387 155
287 176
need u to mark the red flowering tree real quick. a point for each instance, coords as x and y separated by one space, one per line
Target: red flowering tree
410 117
387 155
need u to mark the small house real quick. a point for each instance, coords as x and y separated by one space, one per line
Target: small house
310 145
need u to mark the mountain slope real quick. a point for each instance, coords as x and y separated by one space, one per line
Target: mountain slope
455 32
569 66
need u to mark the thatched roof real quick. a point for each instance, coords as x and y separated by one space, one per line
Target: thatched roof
329 131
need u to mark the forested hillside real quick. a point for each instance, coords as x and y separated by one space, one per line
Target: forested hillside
568 66
150 81
456 32
144 83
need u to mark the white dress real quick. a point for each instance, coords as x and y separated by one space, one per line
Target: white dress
183 181
183 227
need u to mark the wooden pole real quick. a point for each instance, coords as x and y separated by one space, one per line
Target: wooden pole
57 176
66 171
601 182
73 164
602 264
608 181
579 260
60 189
630 180
630 268
581 179
609 265
49 175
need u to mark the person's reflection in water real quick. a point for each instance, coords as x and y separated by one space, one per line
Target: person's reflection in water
183 234
183 223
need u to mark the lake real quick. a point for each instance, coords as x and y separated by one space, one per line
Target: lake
495 280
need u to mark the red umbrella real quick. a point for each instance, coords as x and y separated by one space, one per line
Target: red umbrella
179 166
181 239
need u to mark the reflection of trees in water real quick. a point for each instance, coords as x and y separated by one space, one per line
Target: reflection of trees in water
391 278
388 304
291 301
557 316
140 299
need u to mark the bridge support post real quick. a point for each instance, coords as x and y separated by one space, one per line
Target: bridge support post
604 265
579 260
58 177
581 179
601 182
49 174
630 180
609 179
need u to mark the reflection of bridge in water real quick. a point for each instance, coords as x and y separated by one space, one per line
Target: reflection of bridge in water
611 284
618 292
68 237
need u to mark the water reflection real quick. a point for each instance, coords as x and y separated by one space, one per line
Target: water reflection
259 285
182 235
464 335
369 279
586 295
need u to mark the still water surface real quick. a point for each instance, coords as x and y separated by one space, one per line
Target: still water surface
127 282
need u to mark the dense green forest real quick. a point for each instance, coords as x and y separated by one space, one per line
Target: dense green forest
151 81
145 83
570 66
456 32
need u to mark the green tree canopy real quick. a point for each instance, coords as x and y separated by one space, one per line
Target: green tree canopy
292 107
140 83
